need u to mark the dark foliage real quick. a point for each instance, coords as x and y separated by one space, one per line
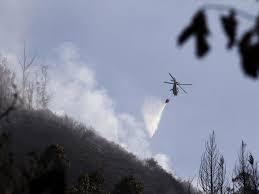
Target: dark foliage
42 173
246 176
128 185
248 44
6 164
49 174
89 184
197 28
11 107
229 24
249 53
36 172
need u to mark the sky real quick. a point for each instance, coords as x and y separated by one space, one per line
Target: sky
107 59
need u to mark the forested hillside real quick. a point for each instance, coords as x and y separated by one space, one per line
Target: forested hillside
33 131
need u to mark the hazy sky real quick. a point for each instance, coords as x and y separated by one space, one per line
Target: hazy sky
108 57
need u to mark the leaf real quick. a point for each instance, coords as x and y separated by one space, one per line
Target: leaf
202 46
229 24
197 28
251 159
249 54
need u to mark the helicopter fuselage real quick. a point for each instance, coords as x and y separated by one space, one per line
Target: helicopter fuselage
175 89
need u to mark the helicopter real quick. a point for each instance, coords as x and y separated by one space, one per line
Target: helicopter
176 86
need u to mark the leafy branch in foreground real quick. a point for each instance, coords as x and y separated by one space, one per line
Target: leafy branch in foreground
247 45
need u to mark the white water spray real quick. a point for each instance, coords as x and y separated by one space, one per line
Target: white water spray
152 112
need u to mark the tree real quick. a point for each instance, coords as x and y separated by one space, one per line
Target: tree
26 65
42 94
6 164
89 184
222 175
152 163
6 84
245 173
34 90
11 106
38 173
128 185
189 187
212 169
254 174
46 171
30 93
241 174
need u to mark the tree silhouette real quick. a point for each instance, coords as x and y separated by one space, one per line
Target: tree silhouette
26 64
222 176
6 165
254 174
245 174
46 171
212 169
89 184
128 185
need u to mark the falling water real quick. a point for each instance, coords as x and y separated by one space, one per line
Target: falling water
152 112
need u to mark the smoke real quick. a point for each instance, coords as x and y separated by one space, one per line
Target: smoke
78 95
152 112
164 162
76 92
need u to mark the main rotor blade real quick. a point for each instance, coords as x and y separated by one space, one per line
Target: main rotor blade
168 82
182 89
184 84
171 76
